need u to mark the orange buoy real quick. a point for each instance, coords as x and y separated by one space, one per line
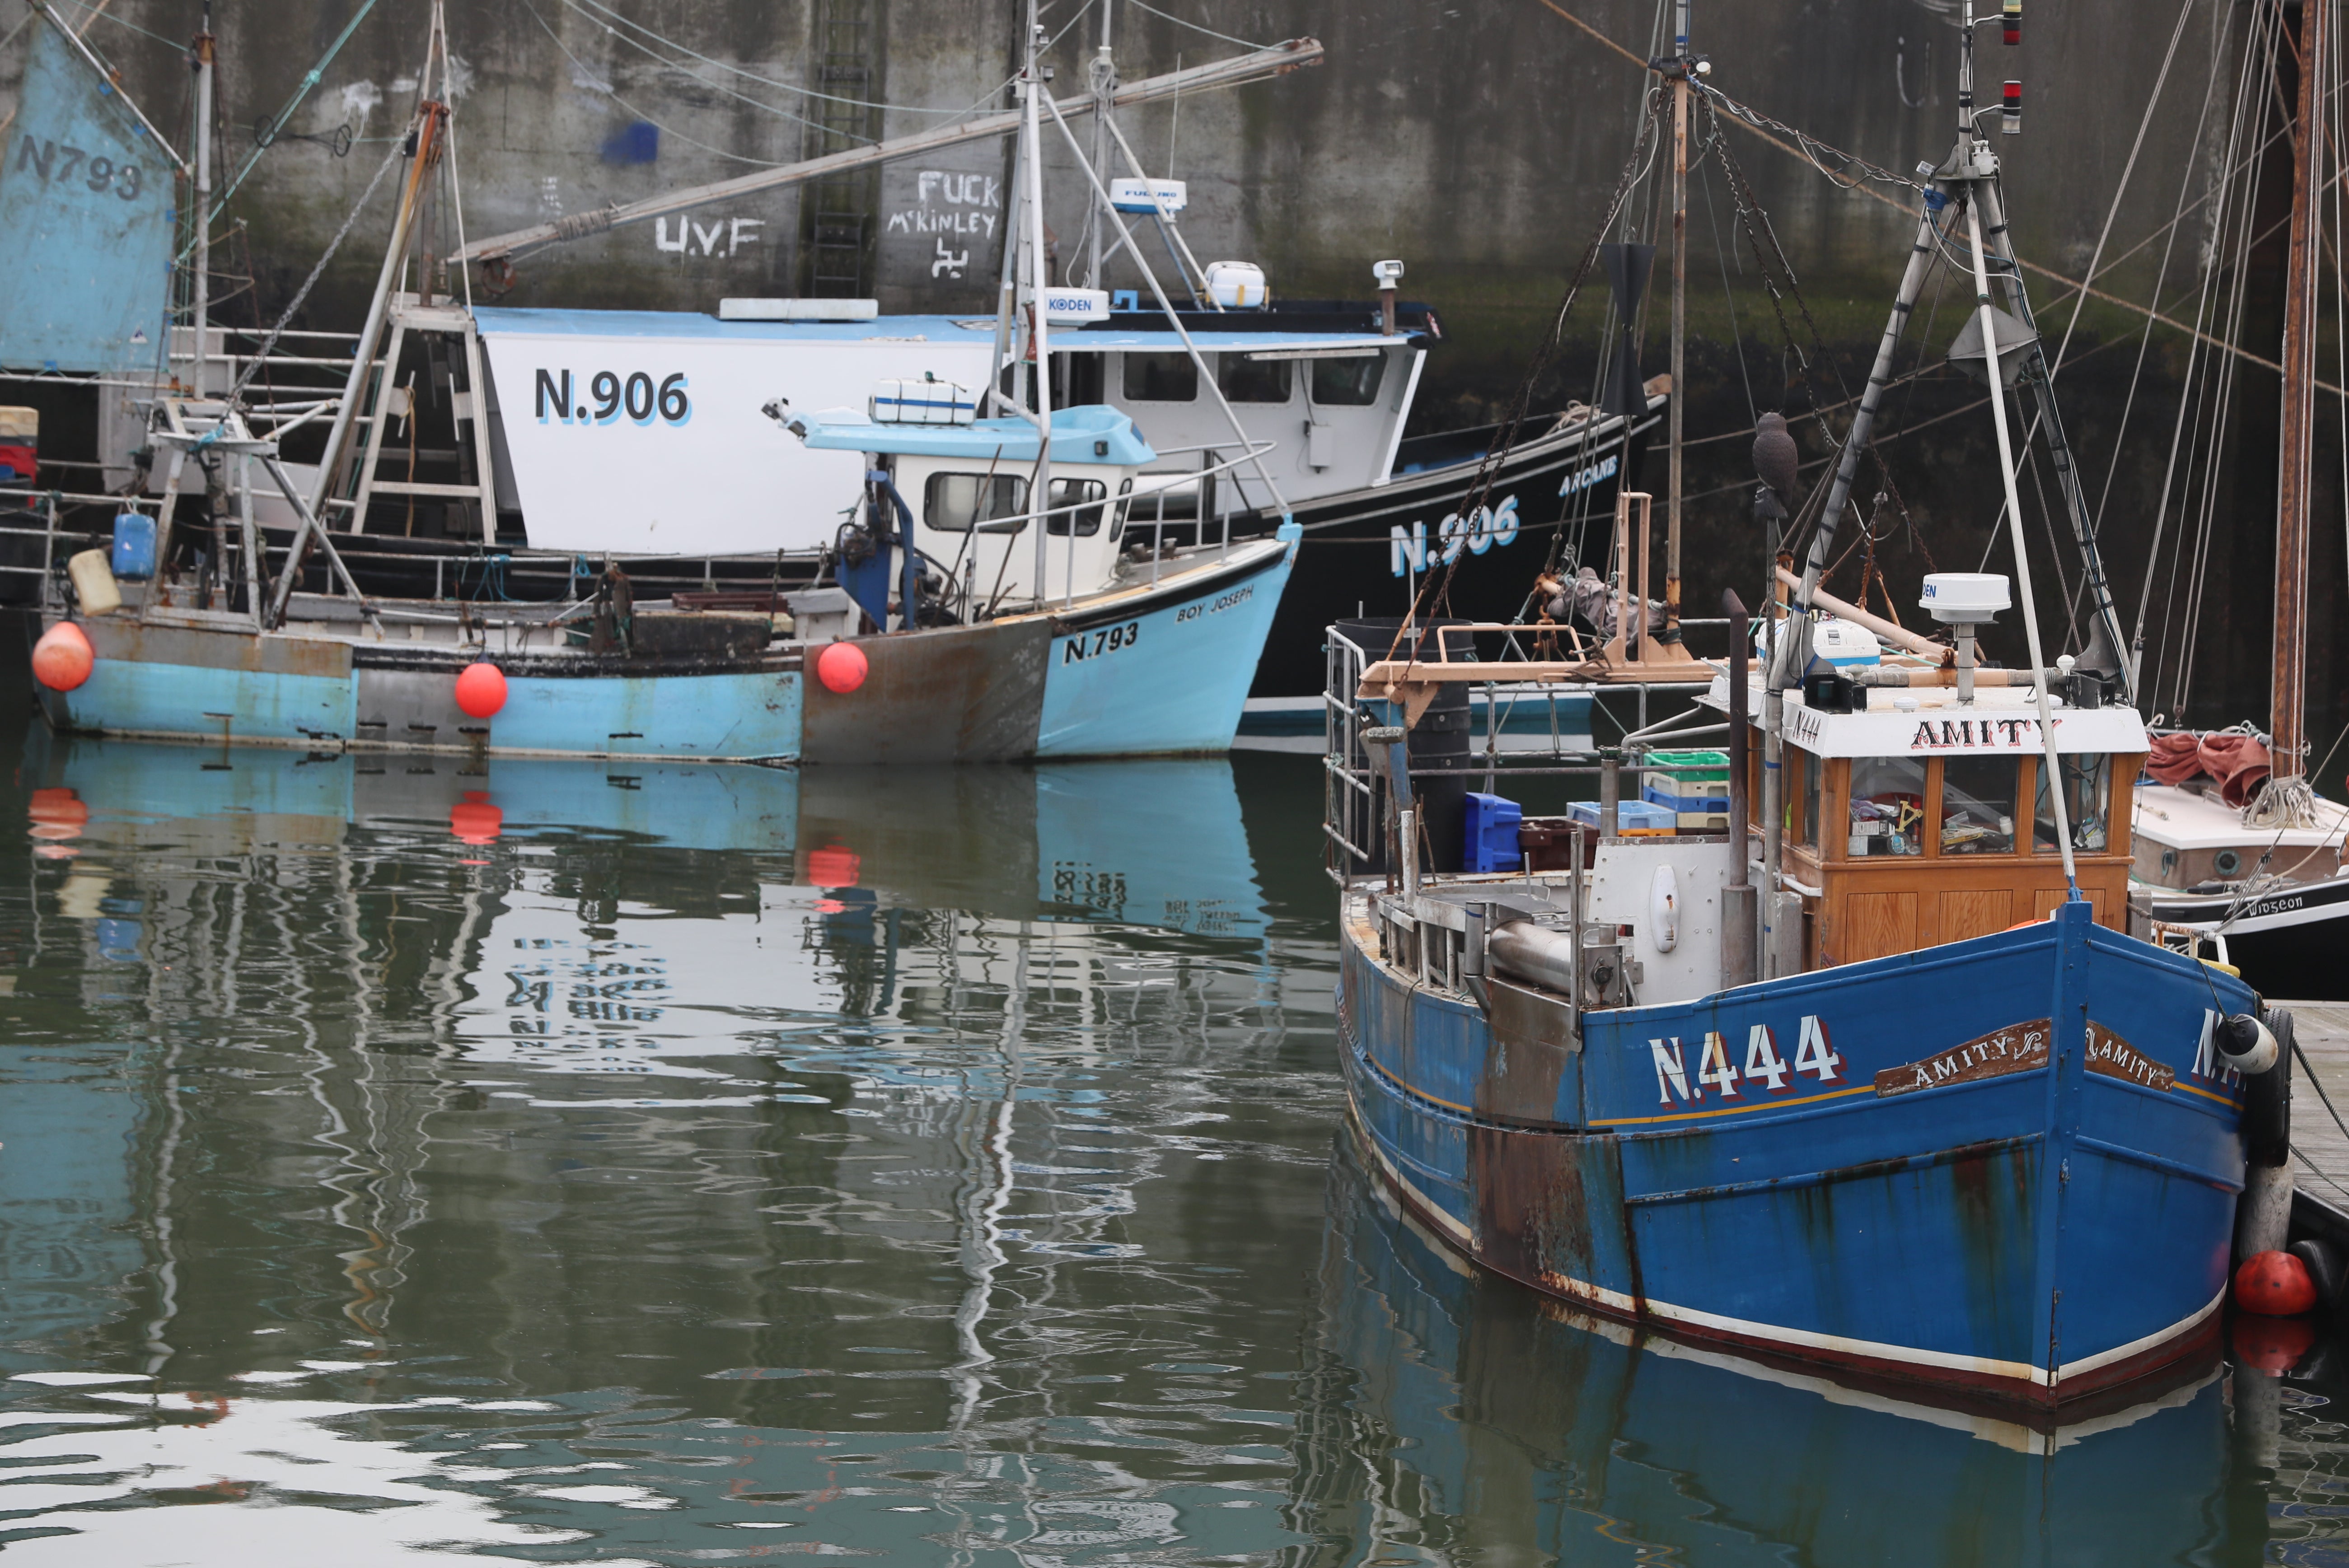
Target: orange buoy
473 819
482 690
58 814
834 865
63 658
2272 1345
2274 1285
841 667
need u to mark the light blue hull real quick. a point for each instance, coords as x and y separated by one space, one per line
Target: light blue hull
1172 679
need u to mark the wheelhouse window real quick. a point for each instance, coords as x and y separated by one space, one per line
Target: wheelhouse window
1978 800
2088 787
952 503
1161 378
1887 805
1246 380
1086 496
1349 382
1804 777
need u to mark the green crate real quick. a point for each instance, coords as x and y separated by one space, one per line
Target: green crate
1704 768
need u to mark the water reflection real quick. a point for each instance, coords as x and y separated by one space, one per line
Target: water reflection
669 1166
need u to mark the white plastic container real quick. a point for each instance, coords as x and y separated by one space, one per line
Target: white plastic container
899 401
1075 308
1134 195
1238 286
93 582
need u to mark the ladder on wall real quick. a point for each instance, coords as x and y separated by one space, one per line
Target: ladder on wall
840 216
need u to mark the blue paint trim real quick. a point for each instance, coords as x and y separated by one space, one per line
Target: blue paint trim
124 698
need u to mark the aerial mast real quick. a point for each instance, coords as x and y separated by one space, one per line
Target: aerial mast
1685 62
2287 723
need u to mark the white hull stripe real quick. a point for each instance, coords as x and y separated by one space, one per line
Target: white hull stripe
1871 1350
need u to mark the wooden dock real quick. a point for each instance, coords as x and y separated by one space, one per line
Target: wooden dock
2321 1158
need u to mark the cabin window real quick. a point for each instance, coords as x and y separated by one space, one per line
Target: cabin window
1887 805
1246 380
1161 378
952 503
1077 379
1086 496
1978 798
1349 382
2087 781
1803 771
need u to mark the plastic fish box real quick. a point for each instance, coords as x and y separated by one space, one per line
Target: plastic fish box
908 402
1703 822
1632 818
1703 798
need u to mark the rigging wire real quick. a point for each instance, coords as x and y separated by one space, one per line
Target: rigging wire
665 128
2153 101
1196 27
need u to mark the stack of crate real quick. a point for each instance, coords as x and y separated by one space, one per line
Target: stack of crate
1693 786
20 446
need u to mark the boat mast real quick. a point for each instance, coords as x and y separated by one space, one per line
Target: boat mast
2287 721
1039 352
1685 64
1104 72
201 51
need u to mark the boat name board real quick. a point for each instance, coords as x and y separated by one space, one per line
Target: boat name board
1886 732
2017 1048
2114 1058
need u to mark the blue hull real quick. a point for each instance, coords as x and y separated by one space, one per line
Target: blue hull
1990 1165
1174 679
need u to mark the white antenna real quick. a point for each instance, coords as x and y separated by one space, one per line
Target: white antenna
2014 525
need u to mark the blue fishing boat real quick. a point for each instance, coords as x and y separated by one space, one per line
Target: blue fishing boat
1917 1104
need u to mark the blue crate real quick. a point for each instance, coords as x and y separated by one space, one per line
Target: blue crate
1492 834
1630 816
1695 800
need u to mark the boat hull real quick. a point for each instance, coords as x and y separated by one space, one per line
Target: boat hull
1151 669
1364 550
2026 1225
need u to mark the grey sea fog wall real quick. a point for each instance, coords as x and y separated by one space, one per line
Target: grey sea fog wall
1478 142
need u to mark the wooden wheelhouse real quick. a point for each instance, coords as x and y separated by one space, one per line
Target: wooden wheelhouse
1920 819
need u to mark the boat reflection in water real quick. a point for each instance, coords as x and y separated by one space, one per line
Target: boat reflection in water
1488 1423
613 1163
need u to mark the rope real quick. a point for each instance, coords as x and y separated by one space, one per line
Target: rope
1434 590
1194 27
1756 224
648 119
261 355
276 124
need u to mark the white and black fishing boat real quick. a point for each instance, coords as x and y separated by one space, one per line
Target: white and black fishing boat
2232 840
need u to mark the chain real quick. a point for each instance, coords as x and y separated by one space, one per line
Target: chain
1810 146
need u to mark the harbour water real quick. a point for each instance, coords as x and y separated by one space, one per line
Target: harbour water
572 1164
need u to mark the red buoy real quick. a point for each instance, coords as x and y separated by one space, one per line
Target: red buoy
841 667
2272 1345
473 819
63 658
2274 1285
482 690
834 865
